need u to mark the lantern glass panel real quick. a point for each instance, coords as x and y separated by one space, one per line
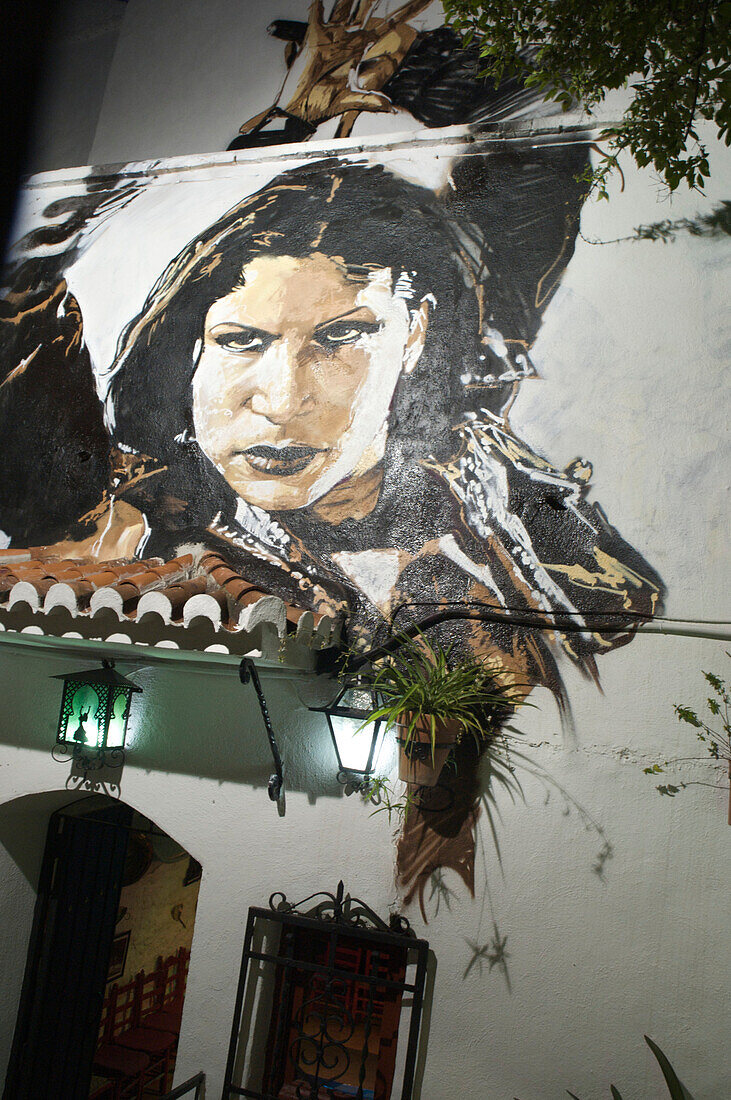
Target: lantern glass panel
354 743
82 715
357 744
118 715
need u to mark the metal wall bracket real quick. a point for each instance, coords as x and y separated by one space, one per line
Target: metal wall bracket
247 671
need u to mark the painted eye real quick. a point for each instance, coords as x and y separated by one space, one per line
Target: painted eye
346 332
242 340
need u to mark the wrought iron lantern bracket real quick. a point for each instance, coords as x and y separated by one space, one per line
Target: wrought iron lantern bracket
247 672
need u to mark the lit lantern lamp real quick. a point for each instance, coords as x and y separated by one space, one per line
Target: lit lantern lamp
357 741
95 707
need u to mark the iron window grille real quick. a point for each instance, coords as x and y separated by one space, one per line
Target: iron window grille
328 1005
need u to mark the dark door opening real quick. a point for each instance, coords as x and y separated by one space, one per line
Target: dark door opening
102 998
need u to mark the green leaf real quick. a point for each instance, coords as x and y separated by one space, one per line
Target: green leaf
675 58
685 714
677 1090
616 1094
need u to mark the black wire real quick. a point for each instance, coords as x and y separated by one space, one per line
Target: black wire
633 616
485 615
497 614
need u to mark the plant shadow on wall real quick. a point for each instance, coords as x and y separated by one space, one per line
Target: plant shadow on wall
714 225
460 753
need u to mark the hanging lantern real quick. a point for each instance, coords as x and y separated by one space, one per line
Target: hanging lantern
92 726
357 741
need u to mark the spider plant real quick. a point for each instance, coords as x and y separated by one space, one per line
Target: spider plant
435 701
676 1088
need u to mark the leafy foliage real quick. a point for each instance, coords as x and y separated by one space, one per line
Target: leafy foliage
385 798
674 55
716 737
676 1089
418 682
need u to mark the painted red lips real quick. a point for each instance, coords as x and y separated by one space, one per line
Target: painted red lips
279 461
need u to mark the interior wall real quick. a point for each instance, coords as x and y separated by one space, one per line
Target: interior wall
158 911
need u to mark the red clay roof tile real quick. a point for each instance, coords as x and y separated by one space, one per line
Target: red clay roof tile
208 596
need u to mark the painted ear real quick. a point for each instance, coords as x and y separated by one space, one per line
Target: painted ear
417 336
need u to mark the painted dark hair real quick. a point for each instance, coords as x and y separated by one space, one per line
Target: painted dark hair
481 324
369 218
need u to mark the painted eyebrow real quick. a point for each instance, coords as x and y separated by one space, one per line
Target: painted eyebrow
238 326
343 317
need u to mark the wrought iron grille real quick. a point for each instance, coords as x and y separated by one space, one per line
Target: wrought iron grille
197 1083
328 1005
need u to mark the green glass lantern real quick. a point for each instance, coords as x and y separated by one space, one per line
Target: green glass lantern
95 706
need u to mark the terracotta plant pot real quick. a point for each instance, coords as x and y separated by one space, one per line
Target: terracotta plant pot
416 763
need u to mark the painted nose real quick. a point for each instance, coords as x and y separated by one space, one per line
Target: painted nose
282 384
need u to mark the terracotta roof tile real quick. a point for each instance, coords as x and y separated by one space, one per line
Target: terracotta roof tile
235 586
243 593
169 603
183 602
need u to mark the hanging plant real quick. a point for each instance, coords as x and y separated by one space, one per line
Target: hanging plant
433 702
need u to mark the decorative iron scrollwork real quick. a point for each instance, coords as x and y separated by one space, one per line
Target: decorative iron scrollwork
341 908
88 759
344 986
324 1026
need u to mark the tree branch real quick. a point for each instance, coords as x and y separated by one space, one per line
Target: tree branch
699 63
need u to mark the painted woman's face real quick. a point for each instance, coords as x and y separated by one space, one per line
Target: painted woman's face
294 383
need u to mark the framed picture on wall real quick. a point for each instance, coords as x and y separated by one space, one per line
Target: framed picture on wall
118 956
193 872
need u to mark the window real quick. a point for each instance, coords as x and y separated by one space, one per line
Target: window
329 1005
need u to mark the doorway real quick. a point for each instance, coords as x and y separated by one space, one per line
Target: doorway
102 999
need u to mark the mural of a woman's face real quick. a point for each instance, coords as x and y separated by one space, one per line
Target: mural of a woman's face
298 366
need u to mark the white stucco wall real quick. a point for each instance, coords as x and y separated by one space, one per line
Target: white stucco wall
188 92
171 94
79 47
593 962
